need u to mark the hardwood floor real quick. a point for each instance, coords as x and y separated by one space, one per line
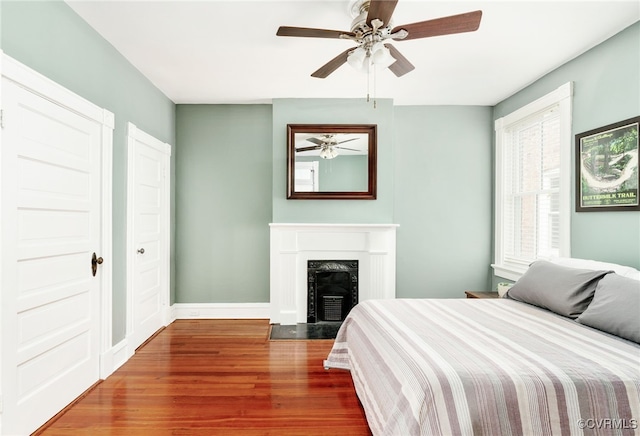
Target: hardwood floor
208 377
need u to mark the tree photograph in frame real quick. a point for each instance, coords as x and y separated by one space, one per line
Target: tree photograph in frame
607 168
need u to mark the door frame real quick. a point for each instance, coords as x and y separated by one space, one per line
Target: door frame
29 79
134 135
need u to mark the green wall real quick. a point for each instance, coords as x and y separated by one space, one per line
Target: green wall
333 111
606 90
223 180
52 39
443 189
348 173
434 180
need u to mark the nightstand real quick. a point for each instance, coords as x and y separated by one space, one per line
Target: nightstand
476 294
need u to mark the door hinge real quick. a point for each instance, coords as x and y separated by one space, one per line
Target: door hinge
1 119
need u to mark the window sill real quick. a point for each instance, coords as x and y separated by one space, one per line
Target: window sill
509 272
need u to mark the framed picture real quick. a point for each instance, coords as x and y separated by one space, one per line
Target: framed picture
607 168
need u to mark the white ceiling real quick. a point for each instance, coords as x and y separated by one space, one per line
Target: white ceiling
227 51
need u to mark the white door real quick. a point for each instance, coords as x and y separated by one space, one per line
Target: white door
148 226
51 225
307 177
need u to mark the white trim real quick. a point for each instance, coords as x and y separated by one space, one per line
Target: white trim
221 310
106 276
566 136
115 357
508 272
129 230
562 97
36 83
552 98
166 303
148 140
136 135
1 263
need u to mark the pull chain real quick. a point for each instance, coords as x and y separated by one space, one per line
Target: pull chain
368 81
375 83
371 67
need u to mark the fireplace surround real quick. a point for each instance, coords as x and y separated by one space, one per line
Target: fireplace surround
293 245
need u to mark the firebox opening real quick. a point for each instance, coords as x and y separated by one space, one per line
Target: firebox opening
332 290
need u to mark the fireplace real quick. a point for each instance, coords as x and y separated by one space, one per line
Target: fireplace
294 245
332 289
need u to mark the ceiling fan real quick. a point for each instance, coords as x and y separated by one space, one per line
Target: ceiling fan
372 27
327 144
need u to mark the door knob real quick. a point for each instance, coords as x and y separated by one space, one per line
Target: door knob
95 261
141 250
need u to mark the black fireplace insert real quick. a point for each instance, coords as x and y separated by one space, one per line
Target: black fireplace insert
332 289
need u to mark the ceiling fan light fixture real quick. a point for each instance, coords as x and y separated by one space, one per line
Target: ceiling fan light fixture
328 152
359 60
381 56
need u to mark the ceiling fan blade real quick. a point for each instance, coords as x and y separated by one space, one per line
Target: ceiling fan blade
467 22
346 140
311 33
382 10
350 149
314 147
315 140
332 65
402 65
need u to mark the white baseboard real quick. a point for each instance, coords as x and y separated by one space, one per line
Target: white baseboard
220 310
114 358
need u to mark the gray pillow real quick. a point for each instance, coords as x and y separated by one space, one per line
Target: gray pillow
615 307
563 290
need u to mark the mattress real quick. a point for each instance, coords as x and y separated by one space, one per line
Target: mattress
486 367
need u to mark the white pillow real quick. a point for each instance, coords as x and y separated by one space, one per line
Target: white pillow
621 270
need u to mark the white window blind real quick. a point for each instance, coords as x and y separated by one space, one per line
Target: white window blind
532 167
532 184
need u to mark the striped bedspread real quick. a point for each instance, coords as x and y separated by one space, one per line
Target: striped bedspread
486 367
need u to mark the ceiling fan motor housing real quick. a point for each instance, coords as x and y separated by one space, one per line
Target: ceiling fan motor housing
364 34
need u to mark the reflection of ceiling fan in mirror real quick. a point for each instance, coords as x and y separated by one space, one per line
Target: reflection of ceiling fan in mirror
370 29
328 145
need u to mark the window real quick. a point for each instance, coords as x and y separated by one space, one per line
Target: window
533 183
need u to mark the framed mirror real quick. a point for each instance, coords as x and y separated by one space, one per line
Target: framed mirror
331 161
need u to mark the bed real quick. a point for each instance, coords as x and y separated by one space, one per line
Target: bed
500 366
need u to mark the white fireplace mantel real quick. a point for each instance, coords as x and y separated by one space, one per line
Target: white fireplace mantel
292 245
